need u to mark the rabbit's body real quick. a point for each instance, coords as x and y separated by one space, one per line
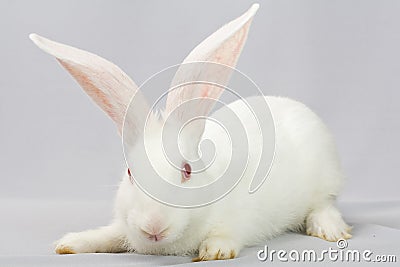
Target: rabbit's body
305 173
304 177
299 192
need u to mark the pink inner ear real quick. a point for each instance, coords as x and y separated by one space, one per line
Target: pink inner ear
103 81
94 92
206 92
222 47
228 52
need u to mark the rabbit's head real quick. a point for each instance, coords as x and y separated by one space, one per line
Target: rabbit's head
159 144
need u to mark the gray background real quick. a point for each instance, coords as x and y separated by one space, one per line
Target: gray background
341 58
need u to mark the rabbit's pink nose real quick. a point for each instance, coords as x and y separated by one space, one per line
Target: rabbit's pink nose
156 235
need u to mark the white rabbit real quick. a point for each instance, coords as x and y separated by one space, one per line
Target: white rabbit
299 193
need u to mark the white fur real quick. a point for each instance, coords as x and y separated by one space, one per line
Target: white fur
303 183
299 193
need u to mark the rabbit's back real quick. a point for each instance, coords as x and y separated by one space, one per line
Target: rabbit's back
305 170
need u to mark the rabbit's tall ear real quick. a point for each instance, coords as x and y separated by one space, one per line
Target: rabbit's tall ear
103 81
222 47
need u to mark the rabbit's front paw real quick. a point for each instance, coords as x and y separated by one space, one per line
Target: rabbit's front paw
217 248
72 243
327 224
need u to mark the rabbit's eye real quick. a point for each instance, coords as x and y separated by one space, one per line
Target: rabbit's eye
130 176
186 172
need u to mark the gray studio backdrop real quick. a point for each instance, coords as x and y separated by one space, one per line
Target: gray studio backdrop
341 58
